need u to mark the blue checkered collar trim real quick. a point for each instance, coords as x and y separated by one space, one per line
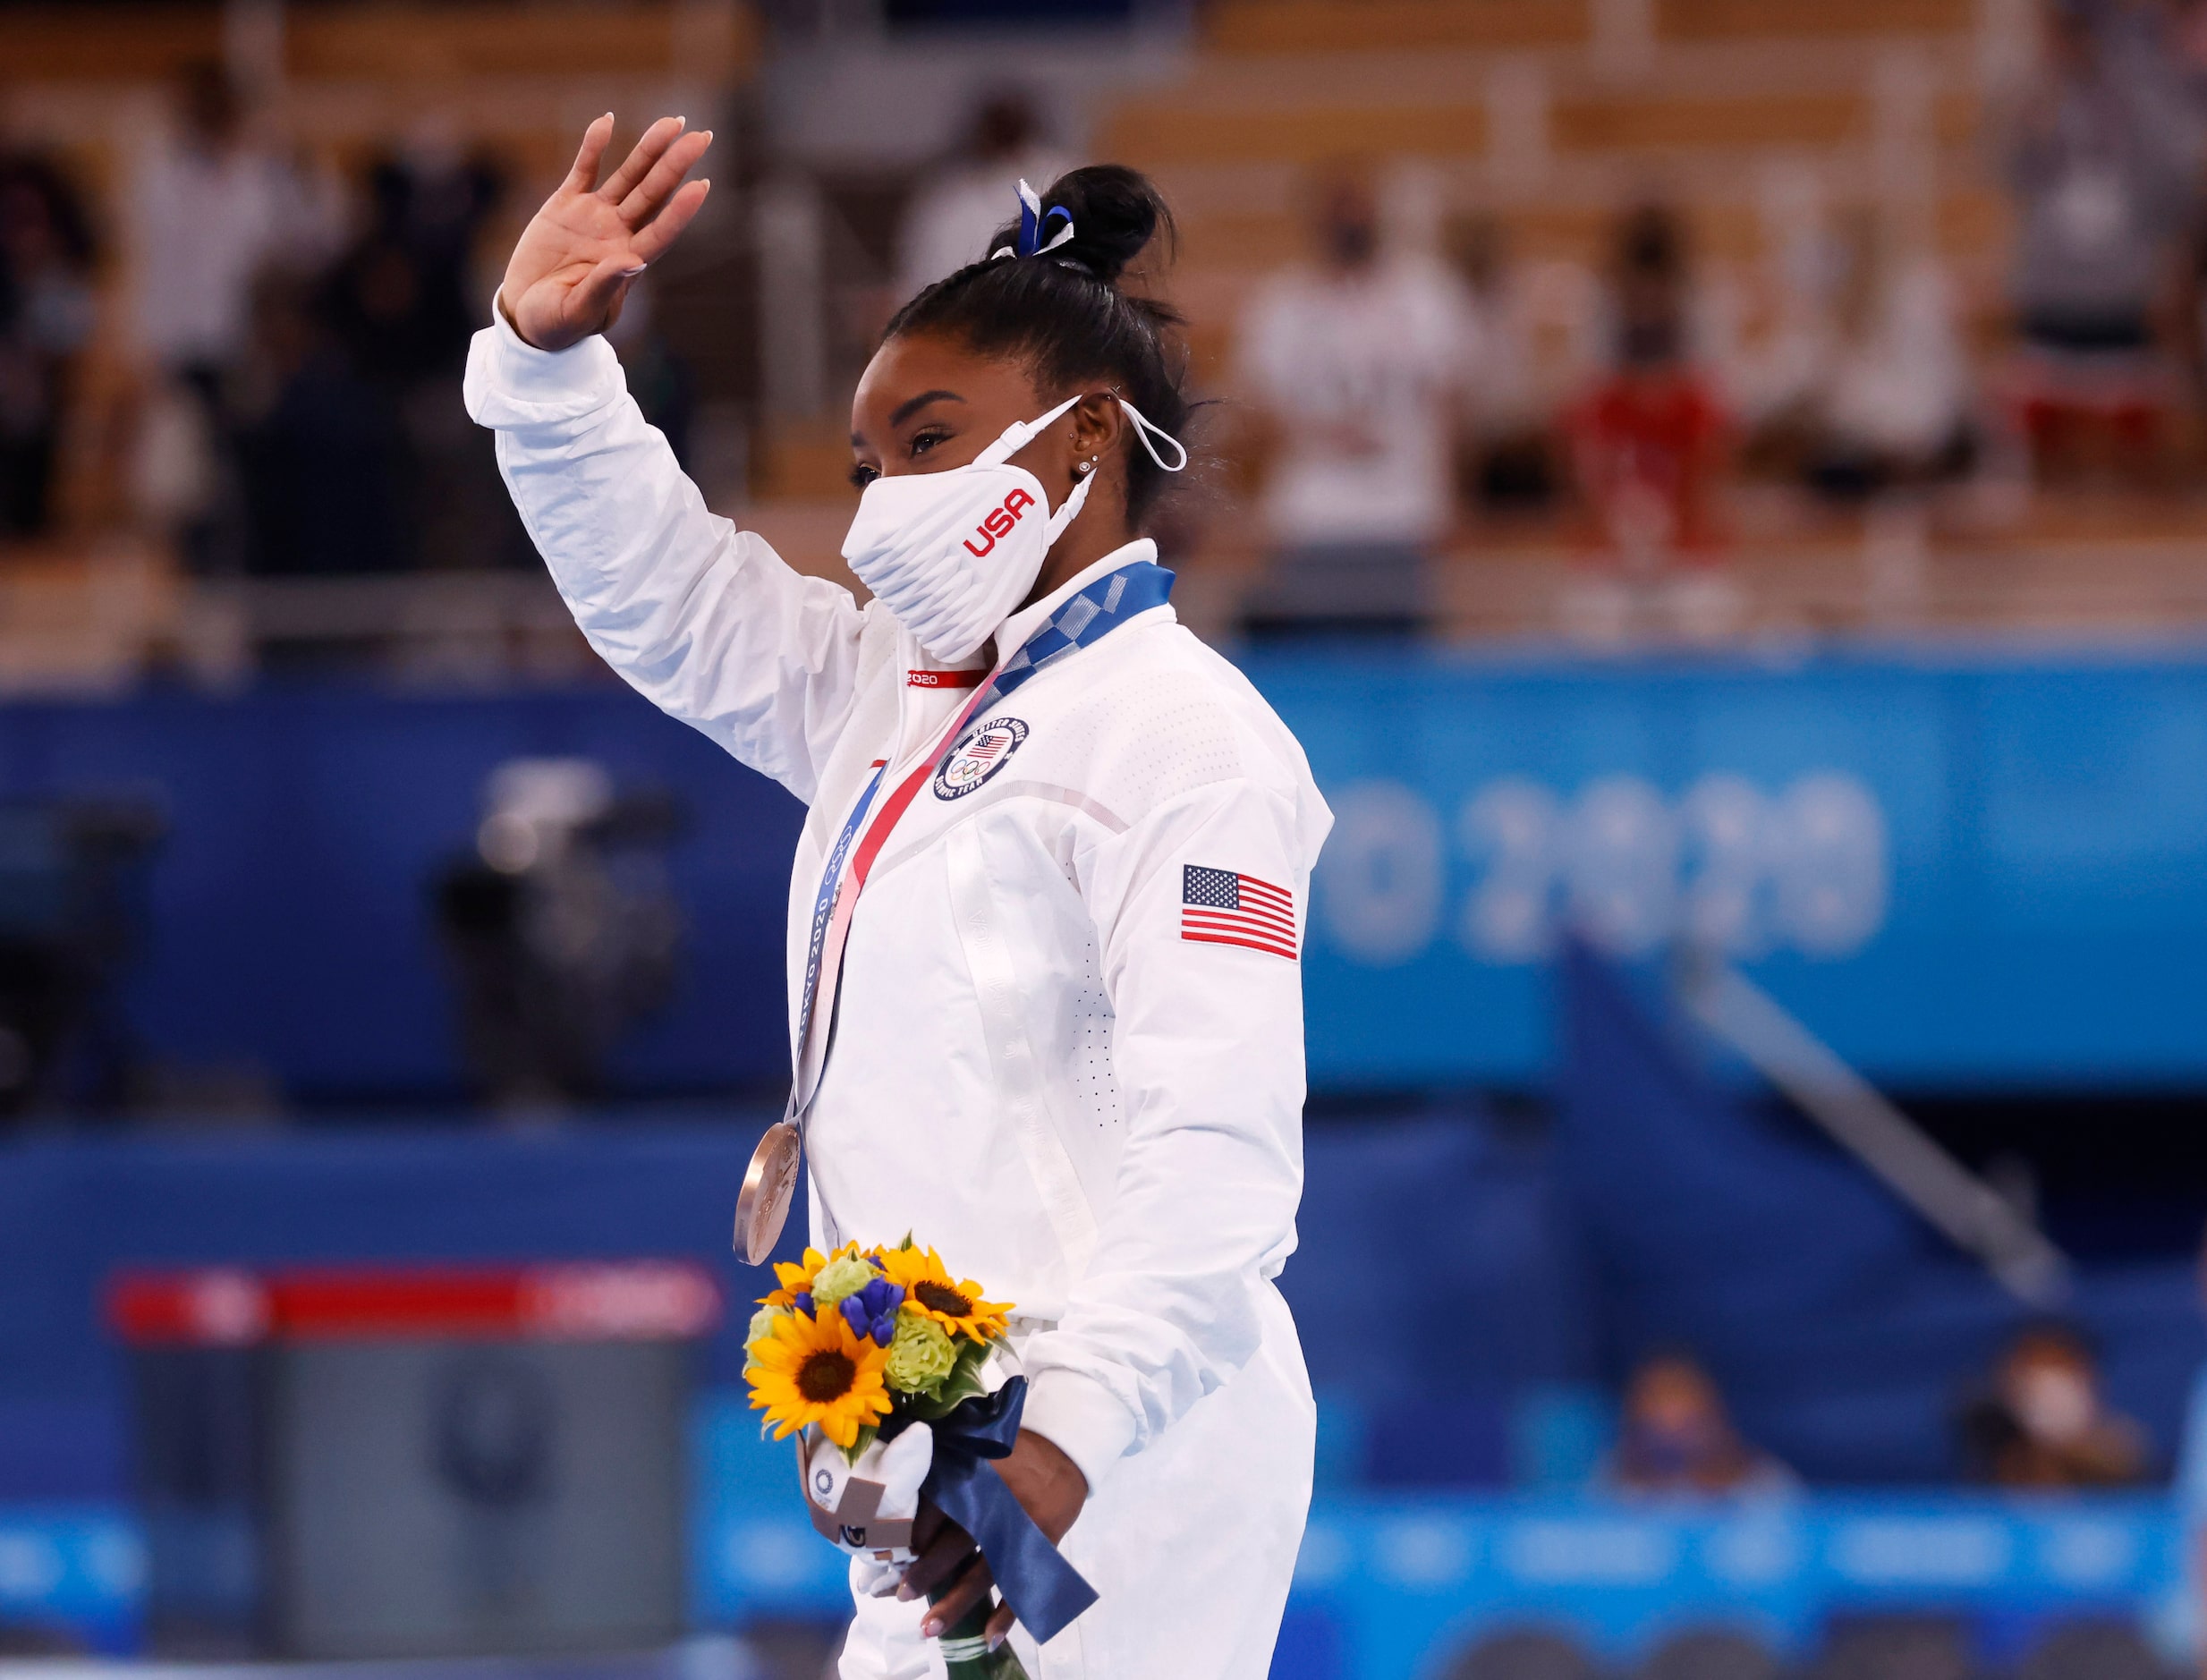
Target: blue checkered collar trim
1023 625
1118 587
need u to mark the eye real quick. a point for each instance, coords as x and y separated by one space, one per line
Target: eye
926 438
862 475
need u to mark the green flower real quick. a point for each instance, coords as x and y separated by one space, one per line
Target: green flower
761 1327
840 1278
920 1355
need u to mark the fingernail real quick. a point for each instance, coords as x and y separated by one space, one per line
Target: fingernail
932 1628
995 1639
630 273
905 1594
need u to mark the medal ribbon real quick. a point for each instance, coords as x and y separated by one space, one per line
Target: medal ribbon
1086 618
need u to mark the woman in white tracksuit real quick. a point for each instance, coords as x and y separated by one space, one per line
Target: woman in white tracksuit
1066 1028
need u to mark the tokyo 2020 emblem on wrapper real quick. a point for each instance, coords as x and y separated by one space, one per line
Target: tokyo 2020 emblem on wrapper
979 756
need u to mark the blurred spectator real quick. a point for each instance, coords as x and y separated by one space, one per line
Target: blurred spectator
320 450
403 302
45 317
1650 441
1648 437
400 296
2103 164
1510 456
213 209
2045 1423
1674 1437
971 193
1880 397
1358 365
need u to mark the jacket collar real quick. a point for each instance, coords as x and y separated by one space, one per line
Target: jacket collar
1012 632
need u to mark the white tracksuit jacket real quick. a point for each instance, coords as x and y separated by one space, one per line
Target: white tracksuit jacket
1096 1117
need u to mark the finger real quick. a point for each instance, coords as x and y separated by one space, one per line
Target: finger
638 163
927 1525
650 241
1000 1625
947 1611
595 298
583 176
949 1553
676 162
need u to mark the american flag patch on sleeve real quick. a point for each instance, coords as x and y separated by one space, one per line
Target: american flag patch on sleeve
1222 907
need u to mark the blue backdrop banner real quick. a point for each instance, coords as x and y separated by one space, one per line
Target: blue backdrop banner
1960 870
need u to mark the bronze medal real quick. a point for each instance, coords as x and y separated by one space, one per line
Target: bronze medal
762 1210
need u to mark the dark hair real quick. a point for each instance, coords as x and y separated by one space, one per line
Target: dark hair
1064 314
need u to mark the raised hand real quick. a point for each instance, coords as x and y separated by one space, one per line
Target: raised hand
579 254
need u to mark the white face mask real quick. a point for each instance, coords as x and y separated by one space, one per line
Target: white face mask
953 553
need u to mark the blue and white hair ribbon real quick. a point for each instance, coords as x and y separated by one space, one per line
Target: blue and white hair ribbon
1031 222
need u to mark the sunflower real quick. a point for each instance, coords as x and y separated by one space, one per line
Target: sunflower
929 1291
814 1371
797 1280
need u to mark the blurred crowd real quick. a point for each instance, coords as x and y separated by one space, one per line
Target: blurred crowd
1399 391
294 339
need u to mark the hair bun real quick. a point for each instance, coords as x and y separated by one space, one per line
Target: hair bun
1116 215
1047 313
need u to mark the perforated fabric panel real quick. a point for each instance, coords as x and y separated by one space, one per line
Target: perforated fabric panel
1092 1020
1152 736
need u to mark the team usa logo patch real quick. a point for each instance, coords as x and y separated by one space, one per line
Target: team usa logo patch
1223 907
979 756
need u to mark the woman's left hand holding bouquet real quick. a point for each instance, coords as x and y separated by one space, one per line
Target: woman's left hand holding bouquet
858 1345
1043 1479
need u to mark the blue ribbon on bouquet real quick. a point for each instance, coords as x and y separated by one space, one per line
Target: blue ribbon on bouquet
1044 1590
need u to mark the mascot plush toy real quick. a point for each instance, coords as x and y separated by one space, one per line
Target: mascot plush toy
867 1508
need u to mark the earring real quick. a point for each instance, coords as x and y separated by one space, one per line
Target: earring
1085 466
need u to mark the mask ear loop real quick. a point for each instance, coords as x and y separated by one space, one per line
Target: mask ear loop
1070 508
1145 430
1018 435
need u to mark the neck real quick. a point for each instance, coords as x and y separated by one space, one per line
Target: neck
1084 543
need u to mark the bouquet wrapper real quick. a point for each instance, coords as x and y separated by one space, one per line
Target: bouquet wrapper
867 1508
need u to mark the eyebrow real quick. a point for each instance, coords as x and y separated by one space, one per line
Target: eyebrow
906 410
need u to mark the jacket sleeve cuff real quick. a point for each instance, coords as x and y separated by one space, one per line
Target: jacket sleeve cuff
1082 1418
512 383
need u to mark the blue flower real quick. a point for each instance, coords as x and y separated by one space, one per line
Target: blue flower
802 1302
873 1310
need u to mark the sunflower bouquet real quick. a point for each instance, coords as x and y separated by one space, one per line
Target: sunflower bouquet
877 1360
852 1338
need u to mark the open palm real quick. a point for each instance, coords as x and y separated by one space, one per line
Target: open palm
579 255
